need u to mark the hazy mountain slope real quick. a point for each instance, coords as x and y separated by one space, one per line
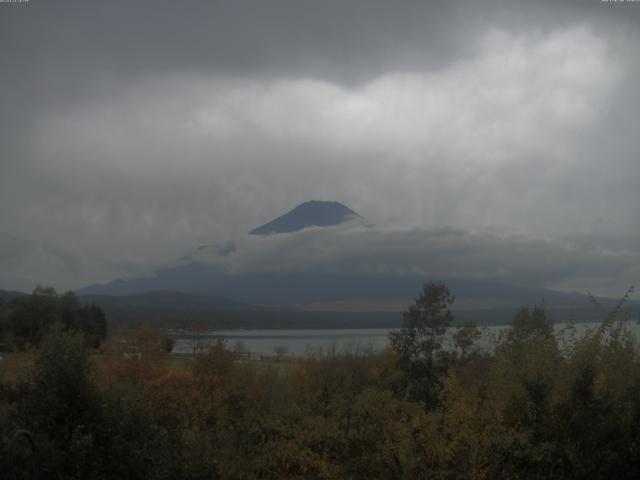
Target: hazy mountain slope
8 295
179 310
173 309
302 288
481 300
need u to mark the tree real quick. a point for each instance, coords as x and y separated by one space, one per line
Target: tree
61 404
465 339
530 322
168 343
93 323
280 351
32 316
418 343
62 380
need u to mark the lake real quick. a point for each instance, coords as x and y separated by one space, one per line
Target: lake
299 342
293 342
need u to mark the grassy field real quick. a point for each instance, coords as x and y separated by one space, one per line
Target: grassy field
182 362
15 365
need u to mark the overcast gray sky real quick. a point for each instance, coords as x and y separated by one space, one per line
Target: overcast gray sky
484 137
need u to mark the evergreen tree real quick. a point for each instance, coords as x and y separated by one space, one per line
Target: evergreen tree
419 342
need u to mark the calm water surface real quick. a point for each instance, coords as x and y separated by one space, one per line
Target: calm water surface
300 342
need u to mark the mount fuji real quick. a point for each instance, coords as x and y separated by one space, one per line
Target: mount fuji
213 272
315 213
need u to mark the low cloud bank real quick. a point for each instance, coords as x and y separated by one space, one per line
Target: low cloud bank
570 263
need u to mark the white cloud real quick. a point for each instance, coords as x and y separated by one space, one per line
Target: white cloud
571 264
141 170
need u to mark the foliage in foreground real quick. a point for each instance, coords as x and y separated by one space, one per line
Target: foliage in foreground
539 406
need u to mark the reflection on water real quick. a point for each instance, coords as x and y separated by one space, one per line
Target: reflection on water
300 342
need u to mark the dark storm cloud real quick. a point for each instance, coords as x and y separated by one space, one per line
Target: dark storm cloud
132 131
329 39
326 39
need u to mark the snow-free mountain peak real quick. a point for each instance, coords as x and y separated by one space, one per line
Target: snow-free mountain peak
314 213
